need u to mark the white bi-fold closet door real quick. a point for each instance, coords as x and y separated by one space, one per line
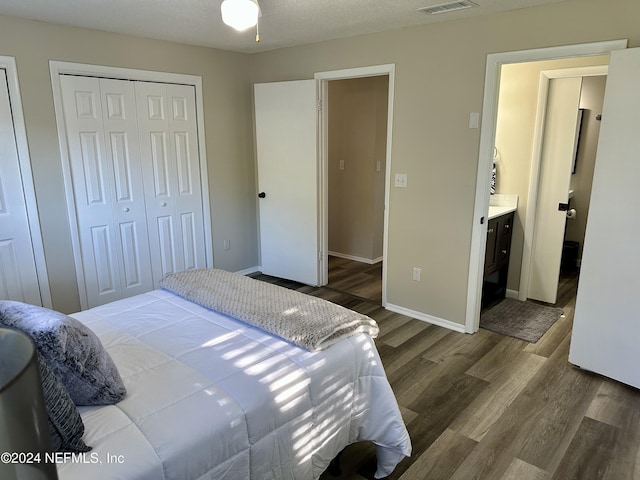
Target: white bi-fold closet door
135 172
18 273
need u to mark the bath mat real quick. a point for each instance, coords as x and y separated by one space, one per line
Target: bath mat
527 321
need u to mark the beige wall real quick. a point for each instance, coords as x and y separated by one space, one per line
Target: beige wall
517 106
591 100
357 137
439 79
227 105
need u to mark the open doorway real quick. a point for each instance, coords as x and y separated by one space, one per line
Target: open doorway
357 144
541 167
360 259
495 62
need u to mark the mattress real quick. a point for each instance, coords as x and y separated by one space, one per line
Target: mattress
209 397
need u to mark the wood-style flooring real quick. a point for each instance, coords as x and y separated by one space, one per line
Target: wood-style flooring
359 279
486 406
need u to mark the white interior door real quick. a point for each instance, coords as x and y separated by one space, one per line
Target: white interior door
606 329
558 149
102 135
171 169
18 275
286 143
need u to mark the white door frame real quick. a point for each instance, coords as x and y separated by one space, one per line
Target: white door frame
56 69
323 79
536 162
485 158
20 132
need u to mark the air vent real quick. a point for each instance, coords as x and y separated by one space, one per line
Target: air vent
447 7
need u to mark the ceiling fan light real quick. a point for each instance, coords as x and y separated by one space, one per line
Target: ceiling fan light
240 14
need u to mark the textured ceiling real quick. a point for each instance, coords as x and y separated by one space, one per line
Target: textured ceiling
283 22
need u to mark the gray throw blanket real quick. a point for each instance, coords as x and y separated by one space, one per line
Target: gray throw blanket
309 322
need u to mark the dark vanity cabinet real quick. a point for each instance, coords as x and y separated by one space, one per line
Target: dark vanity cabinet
496 260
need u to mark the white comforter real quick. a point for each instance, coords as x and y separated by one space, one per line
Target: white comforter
210 397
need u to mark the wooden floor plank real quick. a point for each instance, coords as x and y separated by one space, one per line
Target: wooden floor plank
403 333
498 359
519 470
489 406
441 459
590 452
412 348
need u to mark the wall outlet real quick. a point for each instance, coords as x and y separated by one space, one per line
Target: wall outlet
227 245
401 180
416 274
341 165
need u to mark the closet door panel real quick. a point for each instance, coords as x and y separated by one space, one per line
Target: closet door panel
183 127
18 274
129 211
93 194
171 166
100 117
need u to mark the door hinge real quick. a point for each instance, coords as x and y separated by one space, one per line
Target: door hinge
319 104
319 256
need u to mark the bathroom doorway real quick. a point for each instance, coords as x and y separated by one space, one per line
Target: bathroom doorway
527 165
495 62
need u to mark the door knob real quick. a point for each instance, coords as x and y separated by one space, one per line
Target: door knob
163 204
126 209
262 195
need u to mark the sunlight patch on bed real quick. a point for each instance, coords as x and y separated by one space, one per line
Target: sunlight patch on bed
288 393
220 339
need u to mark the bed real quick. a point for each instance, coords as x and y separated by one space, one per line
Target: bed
211 397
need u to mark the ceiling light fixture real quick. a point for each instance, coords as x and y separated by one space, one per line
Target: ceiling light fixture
240 14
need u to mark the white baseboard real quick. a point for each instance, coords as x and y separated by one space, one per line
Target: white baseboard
512 294
456 327
356 259
248 271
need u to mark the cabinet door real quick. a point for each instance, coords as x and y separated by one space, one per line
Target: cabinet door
490 254
503 246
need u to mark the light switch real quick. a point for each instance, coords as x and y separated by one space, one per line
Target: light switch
341 166
378 166
474 120
401 180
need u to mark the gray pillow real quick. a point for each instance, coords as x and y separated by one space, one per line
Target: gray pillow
65 424
72 351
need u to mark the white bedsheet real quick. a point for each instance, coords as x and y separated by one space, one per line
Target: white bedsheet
209 397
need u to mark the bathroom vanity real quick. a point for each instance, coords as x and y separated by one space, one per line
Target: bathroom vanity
496 260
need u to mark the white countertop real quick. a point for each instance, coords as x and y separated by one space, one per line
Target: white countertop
497 211
501 204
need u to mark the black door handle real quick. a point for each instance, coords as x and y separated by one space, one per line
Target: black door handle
262 195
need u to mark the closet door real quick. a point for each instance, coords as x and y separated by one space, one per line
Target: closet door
102 136
18 274
171 169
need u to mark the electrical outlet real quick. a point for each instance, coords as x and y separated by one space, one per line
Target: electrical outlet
341 165
416 274
401 180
